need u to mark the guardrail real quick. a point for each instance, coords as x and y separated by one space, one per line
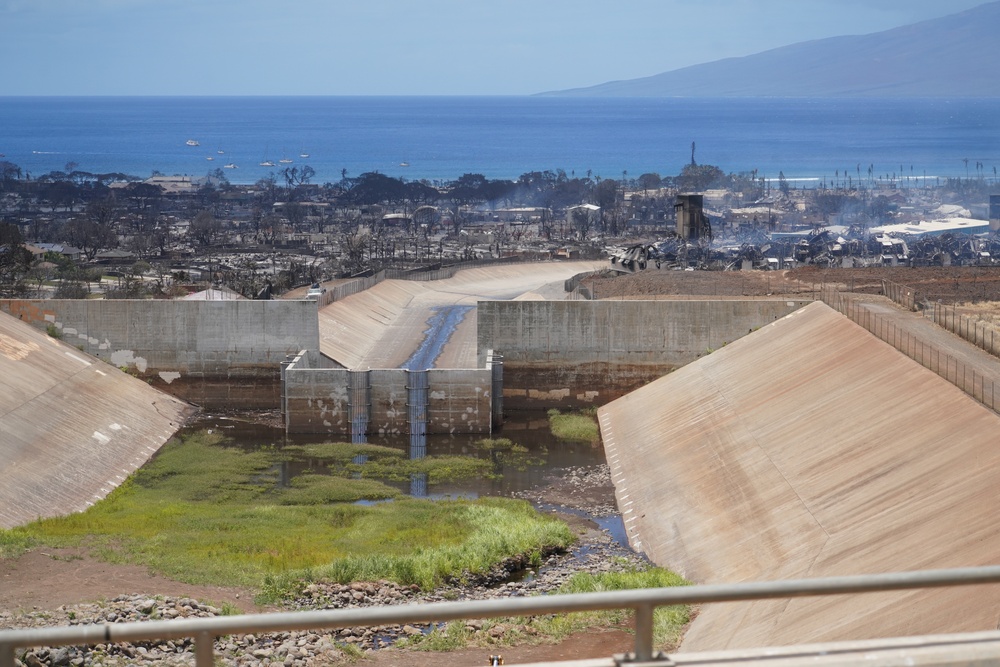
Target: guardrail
642 601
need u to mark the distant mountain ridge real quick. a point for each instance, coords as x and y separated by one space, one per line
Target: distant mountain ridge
950 56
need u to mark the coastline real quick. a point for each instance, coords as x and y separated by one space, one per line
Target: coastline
442 138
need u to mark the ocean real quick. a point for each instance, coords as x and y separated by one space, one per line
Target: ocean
809 141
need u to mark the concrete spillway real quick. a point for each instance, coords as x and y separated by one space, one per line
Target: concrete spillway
810 448
383 327
72 428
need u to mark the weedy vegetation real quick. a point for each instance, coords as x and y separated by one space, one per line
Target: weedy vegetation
205 513
575 427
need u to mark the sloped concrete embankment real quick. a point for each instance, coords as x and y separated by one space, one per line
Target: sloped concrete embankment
73 428
213 353
807 449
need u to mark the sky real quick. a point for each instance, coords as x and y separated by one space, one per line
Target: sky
402 47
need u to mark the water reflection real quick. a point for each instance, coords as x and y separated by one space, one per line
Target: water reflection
418 450
511 473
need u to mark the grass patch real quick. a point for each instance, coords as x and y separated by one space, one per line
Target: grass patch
437 468
668 622
504 452
14 542
471 537
323 489
204 513
345 452
580 427
385 463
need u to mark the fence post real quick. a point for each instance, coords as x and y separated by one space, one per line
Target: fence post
644 633
204 649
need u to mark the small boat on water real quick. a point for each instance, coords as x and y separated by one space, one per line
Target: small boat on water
303 155
231 166
192 142
220 152
267 163
404 164
285 160
210 158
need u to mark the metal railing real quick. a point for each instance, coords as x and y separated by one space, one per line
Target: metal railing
642 601
968 378
979 332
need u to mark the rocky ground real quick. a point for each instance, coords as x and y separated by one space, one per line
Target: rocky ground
576 495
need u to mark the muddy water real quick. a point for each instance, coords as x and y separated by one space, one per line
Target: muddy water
510 474
528 429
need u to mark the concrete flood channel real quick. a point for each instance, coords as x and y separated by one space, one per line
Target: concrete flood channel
546 457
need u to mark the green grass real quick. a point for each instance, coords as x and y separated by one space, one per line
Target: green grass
668 622
310 489
386 463
204 513
345 452
437 468
580 427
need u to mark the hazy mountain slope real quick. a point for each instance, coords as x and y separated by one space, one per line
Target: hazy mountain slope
952 56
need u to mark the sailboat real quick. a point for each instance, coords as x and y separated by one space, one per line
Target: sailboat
265 162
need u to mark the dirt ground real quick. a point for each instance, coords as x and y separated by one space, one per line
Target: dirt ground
49 578
951 285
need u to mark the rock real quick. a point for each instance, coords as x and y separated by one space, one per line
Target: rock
411 631
60 657
32 660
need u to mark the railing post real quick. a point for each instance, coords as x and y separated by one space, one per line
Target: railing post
6 655
204 649
644 633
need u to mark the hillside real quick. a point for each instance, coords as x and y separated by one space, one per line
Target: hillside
944 57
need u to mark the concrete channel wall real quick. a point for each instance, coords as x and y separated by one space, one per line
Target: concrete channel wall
323 398
578 353
212 353
72 427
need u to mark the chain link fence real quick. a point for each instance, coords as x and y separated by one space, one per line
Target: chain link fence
965 377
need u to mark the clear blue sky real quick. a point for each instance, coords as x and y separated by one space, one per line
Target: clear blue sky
401 47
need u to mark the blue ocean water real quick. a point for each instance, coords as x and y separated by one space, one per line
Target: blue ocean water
441 138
